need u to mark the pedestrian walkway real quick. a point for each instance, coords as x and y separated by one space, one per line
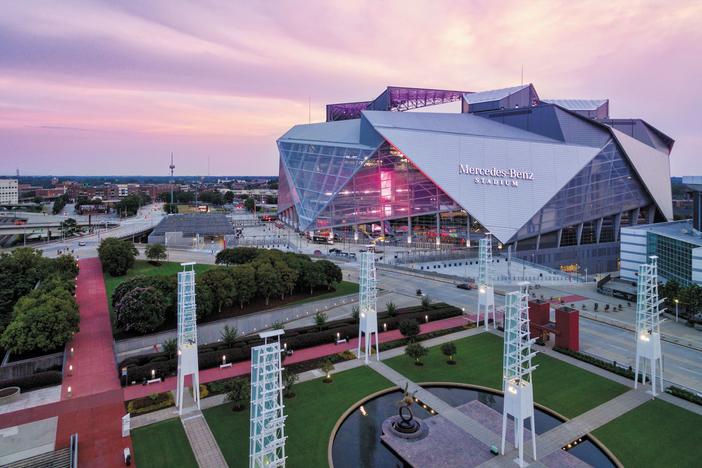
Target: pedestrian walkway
202 441
94 406
306 354
560 436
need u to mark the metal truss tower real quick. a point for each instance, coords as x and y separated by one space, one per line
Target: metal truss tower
486 292
187 335
267 424
648 324
367 308
517 368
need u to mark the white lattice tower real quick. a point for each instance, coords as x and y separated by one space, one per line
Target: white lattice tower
517 368
267 419
648 324
187 335
486 292
367 308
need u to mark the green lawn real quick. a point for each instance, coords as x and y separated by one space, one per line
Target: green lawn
654 434
311 417
163 444
343 288
144 268
562 387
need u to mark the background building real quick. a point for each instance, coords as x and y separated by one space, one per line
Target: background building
677 244
192 230
9 192
553 179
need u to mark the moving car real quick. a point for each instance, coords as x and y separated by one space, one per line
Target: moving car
466 286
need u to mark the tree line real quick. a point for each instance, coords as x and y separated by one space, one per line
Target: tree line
689 298
144 303
38 310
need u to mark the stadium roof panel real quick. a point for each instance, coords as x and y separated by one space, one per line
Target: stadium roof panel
492 95
578 104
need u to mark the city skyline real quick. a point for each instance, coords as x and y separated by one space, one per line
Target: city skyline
92 88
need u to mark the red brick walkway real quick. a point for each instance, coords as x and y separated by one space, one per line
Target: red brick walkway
95 408
315 352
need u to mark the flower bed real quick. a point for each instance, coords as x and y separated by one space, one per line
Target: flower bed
150 403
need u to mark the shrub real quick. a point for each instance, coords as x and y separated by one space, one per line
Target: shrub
34 381
409 329
229 335
150 403
289 379
612 367
320 318
426 302
117 256
391 308
354 313
449 350
416 351
142 310
327 368
238 393
684 394
156 253
170 347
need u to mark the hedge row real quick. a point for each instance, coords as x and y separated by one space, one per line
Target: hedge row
140 368
150 403
602 364
34 381
684 394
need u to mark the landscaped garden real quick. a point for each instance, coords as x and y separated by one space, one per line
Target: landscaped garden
311 416
654 434
163 445
559 386
142 295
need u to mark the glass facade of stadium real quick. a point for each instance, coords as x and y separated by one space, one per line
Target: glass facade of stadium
346 180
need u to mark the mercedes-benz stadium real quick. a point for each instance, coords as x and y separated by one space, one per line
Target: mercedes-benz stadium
555 179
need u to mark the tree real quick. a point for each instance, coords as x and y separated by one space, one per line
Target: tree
250 204
289 379
416 351
238 393
449 350
354 313
313 276
155 253
391 308
129 205
229 197
220 282
117 256
327 368
69 227
409 329
288 278
170 208
59 204
268 281
42 320
142 310
320 318
204 299
426 302
237 255
244 277
229 335
213 198
332 273
64 266
170 347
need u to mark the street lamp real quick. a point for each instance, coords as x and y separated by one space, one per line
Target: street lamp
676 310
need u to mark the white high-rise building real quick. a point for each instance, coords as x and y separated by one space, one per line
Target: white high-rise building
9 192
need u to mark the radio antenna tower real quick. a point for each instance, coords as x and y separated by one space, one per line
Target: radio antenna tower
516 370
648 324
368 308
486 292
172 167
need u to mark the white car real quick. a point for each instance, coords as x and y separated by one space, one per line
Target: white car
82 244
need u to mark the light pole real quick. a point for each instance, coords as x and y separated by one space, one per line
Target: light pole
676 310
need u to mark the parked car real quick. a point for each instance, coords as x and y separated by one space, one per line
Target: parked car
82 244
466 286
317 253
335 251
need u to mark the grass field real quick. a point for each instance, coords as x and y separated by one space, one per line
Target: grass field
164 445
343 288
654 434
562 387
144 268
311 417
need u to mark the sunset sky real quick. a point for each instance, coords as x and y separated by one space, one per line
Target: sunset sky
91 88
